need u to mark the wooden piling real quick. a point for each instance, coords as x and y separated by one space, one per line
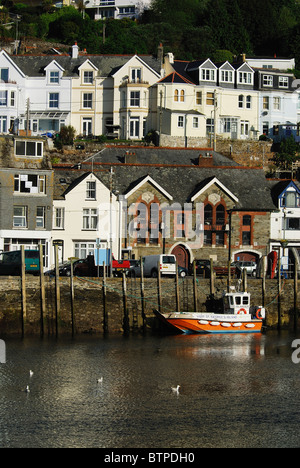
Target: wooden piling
23 291
177 290
57 290
212 278
126 317
245 278
143 294
229 276
296 295
264 259
195 287
105 316
279 295
72 297
42 289
159 287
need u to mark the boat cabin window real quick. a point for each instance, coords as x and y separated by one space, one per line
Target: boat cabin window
241 300
245 300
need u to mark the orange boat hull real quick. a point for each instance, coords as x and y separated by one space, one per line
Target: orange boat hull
196 325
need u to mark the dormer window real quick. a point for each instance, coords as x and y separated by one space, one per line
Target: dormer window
267 80
88 77
54 77
207 74
226 76
245 78
290 199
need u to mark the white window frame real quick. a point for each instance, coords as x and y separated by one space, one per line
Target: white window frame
136 75
276 103
91 190
283 82
88 77
87 100
268 81
40 216
39 188
90 219
208 74
226 76
135 98
246 78
27 146
22 218
54 77
59 218
53 100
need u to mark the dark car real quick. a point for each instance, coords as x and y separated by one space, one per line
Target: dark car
64 269
182 272
203 268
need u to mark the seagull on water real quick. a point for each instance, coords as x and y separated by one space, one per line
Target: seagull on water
176 389
31 373
27 389
100 380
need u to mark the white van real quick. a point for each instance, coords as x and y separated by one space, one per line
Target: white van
165 263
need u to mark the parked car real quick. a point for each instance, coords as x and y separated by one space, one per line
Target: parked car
64 269
150 266
250 267
182 272
203 268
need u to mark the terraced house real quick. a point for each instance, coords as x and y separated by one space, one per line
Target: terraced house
97 95
186 103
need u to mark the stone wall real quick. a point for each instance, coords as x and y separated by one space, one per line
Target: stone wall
248 153
89 312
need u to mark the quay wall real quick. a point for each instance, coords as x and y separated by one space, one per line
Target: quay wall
91 312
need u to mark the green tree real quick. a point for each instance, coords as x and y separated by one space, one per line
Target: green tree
287 154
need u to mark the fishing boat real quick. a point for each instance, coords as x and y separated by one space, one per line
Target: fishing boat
238 317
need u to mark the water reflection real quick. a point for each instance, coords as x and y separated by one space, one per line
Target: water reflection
236 391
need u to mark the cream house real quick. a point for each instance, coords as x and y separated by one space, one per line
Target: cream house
134 97
113 95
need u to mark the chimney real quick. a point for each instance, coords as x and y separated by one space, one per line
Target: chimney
75 51
244 57
160 54
130 158
206 159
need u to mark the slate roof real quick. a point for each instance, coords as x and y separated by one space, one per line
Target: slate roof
176 172
107 64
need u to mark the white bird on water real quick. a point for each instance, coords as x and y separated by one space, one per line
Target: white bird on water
100 380
176 389
31 373
27 389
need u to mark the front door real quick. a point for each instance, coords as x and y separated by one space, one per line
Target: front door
87 126
182 256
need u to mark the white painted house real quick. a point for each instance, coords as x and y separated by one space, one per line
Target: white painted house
84 210
116 9
285 223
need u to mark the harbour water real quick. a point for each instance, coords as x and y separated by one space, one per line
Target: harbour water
236 391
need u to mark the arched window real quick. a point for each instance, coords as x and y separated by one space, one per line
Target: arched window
176 95
214 224
182 95
220 215
208 215
142 223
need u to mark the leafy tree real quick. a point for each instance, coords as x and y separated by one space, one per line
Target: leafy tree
287 154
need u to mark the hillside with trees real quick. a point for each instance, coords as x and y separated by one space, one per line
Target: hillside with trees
191 29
